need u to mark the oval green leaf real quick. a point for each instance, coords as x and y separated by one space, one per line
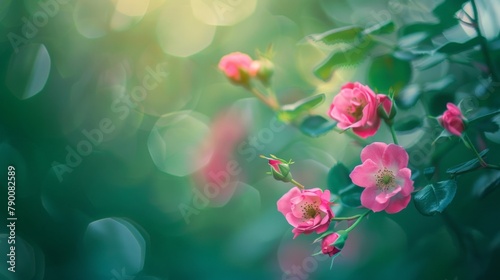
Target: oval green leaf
315 126
344 57
290 112
486 183
346 34
467 166
338 178
388 73
434 198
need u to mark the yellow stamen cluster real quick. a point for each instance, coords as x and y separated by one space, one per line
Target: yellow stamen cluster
385 179
309 210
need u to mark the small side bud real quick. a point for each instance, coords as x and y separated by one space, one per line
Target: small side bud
333 243
280 169
265 70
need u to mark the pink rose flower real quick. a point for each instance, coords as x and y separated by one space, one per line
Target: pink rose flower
385 177
238 67
327 244
306 210
452 120
356 107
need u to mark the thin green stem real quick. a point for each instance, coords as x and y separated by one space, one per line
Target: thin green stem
492 166
298 184
358 221
346 218
393 133
479 157
483 42
272 95
270 102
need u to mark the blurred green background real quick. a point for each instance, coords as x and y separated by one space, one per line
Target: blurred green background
136 159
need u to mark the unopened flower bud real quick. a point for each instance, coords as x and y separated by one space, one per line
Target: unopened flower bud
265 70
452 120
333 243
280 170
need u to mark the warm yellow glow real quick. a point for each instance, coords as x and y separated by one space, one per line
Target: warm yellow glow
180 34
223 12
133 8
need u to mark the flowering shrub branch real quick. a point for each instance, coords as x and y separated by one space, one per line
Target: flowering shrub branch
384 181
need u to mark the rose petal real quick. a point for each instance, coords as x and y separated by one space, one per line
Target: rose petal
384 196
374 151
452 108
407 186
398 203
284 205
395 157
368 200
364 175
367 131
386 103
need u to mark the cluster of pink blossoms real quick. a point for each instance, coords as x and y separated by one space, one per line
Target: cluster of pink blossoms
383 173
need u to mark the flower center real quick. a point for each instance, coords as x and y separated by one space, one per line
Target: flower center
356 108
309 210
385 179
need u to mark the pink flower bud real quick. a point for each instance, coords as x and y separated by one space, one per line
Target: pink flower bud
327 245
280 170
238 67
452 120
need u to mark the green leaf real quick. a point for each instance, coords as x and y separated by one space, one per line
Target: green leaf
381 28
429 172
443 134
434 198
315 126
454 47
346 34
387 72
408 124
345 57
411 40
486 183
488 126
440 84
408 97
306 104
405 55
447 9
430 61
352 198
415 174
467 166
338 178
431 29
290 112
484 123
340 183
